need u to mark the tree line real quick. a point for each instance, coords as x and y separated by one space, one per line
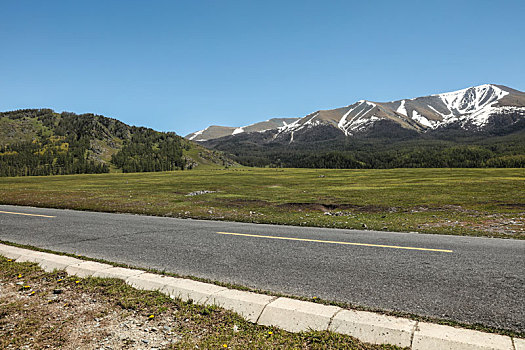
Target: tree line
148 150
48 157
505 152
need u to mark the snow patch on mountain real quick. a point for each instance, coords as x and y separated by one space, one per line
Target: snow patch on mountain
238 131
482 117
361 124
472 99
309 121
444 116
472 105
289 127
343 121
422 120
350 122
401 109
300 124
197 133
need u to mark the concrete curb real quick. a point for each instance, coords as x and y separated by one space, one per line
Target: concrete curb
289 314
435 336
187 289
148 281
117 272
374 328
519 344
12 252
48 262
86 268
296 315
247 304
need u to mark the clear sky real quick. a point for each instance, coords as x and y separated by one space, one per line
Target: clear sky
183 65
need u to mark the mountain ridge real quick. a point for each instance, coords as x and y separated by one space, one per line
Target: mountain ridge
469 109
482 126
217 131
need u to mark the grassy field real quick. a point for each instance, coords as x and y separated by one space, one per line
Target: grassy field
479 202
52 310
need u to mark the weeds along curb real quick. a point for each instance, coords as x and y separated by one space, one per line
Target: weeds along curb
286 313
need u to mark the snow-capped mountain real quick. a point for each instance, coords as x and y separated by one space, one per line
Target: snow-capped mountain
215 131
469 108
472 109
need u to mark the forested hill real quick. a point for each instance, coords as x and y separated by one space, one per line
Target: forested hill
43 142
455 149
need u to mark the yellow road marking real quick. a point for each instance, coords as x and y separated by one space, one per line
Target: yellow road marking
10 212
336 242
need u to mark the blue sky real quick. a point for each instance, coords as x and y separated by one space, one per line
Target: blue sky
183 65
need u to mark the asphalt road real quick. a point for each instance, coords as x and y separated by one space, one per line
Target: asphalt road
467 279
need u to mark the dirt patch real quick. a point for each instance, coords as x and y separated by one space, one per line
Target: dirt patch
332 207
496 224
40 310
56 312
519 206
240 203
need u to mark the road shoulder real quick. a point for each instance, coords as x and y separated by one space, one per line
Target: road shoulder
288 314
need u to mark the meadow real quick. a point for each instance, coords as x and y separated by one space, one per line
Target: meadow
477 202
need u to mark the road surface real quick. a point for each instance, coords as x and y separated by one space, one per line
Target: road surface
466 279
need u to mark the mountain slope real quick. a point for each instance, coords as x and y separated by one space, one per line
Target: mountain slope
475 127
42 142
215 131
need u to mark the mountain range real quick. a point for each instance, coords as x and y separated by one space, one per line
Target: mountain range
479 108
478 126
481 126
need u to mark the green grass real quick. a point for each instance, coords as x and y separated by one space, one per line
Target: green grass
478 202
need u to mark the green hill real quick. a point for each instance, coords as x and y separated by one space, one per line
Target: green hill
43 142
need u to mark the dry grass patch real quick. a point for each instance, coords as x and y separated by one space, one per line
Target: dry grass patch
52 310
